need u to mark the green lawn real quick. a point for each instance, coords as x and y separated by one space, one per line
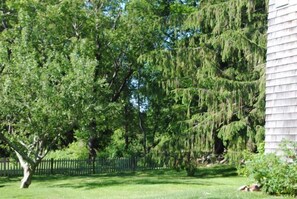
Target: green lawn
212 183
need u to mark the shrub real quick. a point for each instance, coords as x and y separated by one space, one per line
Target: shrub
275 174
76 150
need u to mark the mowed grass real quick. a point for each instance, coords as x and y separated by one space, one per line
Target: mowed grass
212 183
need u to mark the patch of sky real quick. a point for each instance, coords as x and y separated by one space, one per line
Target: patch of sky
138 100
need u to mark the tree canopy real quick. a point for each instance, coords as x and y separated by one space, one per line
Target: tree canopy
167 79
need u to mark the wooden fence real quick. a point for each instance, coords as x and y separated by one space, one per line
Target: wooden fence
9 167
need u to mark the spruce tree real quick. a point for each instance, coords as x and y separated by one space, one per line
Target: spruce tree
215 68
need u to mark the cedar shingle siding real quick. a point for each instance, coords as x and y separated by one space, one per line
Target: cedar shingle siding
281 74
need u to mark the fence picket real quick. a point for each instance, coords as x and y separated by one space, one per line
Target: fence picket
79 167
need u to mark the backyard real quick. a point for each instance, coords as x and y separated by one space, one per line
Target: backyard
105 98
214 182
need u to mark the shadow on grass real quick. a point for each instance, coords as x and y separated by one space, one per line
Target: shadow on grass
7 180
154 177
120 182
216 171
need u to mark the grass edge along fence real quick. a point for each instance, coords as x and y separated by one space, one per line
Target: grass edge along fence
10 167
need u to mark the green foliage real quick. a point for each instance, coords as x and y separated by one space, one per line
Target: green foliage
76 150
214 65
48 78
118 147
166 77
276 174
64 66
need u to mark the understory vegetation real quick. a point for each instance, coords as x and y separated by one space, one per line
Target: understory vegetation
274 173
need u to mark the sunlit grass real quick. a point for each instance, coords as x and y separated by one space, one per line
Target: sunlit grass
212 183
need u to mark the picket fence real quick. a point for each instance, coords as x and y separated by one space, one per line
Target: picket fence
9 167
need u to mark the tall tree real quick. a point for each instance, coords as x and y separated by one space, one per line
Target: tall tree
214 64
62 70
46 81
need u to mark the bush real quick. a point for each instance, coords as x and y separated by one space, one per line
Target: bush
118 148
76 150
275 174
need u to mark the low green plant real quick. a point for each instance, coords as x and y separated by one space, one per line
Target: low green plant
76 150
276 174
118 147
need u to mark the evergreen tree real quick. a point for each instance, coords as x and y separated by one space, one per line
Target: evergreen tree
215 67
230 78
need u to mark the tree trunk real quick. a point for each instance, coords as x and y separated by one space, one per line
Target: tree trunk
28 173
28 168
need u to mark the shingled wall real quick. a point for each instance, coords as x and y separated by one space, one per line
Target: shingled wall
281 74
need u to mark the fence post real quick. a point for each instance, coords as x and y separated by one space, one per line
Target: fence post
134 163
7 167
5 173
93 165
52 166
